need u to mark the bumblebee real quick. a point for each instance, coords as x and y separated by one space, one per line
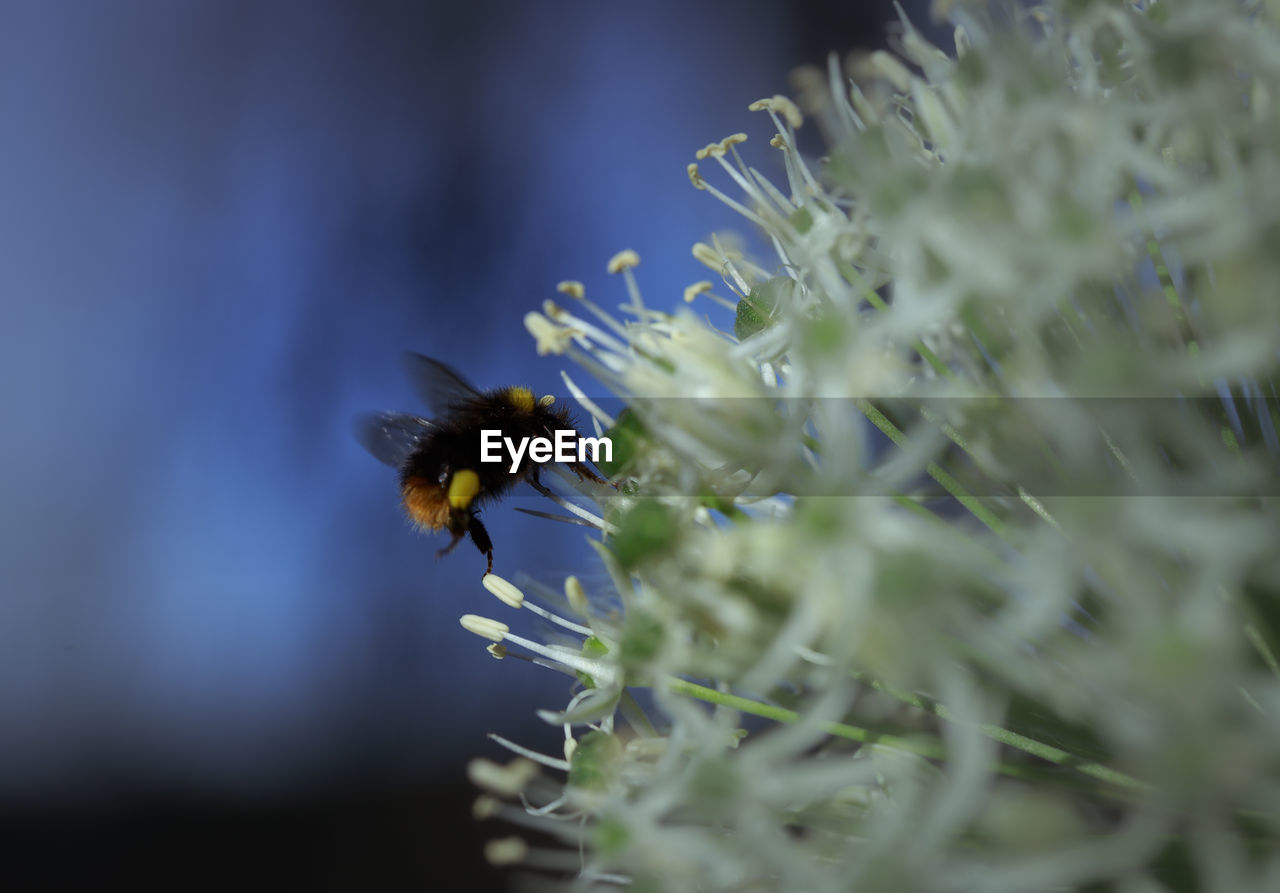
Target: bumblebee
443 483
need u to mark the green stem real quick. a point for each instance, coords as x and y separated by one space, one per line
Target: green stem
924 748
1259 643
781 714
852 276
936 471
633 713
1012 739
1156 253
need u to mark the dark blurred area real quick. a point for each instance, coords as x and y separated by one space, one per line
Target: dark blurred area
223 652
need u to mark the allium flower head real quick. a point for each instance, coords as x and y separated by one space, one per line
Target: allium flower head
951 564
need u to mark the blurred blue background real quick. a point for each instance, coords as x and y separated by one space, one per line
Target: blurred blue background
222 225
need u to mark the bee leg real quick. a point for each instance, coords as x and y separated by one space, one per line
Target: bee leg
457 538
537 485
480 537
585 473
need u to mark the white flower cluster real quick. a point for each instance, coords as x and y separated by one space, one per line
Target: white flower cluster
953 567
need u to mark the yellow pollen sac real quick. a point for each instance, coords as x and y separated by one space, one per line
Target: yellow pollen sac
463 487
696 289
571 287
550 337
623 260
521 398
705 253
694 177
780 104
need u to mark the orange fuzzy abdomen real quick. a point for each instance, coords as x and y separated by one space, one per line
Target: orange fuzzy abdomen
426 504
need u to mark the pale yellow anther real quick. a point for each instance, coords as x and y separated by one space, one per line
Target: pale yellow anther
708 256
783 106
550 337
720 149
484 627
576 595
811 87
573 288
778 141
506 851
570 746
504 781
546 400
497 651
694 177
710 150
790 112
485 807
505 591
882 64
698 288
623 260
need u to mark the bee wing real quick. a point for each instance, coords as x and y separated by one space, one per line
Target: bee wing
391 436
439 386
